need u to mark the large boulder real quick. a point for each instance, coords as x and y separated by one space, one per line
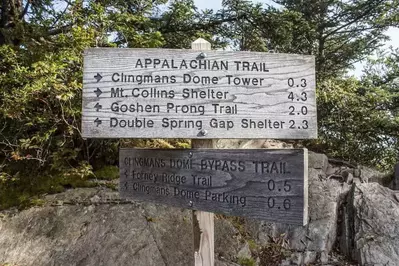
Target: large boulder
371 225
76 233
93 227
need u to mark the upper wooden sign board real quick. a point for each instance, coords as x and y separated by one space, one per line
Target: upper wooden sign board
162 93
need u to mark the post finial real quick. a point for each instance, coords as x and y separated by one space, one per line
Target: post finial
201 44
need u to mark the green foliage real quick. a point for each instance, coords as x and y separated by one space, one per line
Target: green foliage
41 48
242 33
340 33
359 119
246 261
274 252
358 122
157 143
111 186
108 172
253 246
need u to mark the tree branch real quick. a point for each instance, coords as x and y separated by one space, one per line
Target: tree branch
199 26
360 29
26 8
59 30
60 15
367 12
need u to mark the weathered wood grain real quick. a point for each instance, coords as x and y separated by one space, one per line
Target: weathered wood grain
264 184
203 222
204 238
280 99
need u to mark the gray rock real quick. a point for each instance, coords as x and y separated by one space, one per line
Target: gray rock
310 256
324 257
331 170
94 227
357 173
371 175
348 177
229 143
228 241
75 235
111 232
319 236
276 144
244 252
357 181
95 199
318 161
225 263
297 258
251 144
285 263
371 231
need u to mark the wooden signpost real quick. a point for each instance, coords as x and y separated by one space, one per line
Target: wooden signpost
162 93
203 222
205 95
264 184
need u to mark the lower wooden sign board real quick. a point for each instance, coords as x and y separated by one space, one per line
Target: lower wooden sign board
264 184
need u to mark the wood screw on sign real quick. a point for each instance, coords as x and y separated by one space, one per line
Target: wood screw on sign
203 223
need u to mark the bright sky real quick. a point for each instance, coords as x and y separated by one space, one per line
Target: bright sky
393 33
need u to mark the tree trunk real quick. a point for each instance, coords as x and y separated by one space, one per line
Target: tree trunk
10 15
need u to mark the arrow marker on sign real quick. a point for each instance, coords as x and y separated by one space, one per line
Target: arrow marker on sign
97 121
98 77
98 107
98 92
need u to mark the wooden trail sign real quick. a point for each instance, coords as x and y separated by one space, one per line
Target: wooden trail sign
164 93
265 184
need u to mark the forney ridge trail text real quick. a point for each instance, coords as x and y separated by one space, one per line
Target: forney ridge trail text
164 183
